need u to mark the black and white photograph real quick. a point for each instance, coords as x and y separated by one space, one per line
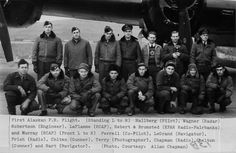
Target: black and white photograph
114 76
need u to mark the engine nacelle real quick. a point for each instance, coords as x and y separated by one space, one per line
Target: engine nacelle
22 13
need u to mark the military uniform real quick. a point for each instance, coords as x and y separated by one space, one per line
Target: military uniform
131 56
84 92
114 95
152 59
106 53
163 93
219 90
46 50
136 84
13 95
53 91
192 90
182 61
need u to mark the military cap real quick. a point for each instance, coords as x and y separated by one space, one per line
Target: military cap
83 66
54 66
107 29
203 31
170 63
47 23
127 27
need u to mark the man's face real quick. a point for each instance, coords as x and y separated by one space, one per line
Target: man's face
151 38
170 70
142 70
204 37
128 33
83 73
76 34
55 73
23 69
220 71
174 37
113 74
108 35
192 72
48 29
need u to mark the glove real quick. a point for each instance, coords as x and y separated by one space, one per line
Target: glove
67 71
35 67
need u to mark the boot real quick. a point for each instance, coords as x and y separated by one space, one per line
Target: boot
222 108
106 110
60 108
212 109
43 113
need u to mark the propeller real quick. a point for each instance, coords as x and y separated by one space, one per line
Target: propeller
4 37
184 21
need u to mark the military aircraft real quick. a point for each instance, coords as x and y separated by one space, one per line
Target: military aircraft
163 16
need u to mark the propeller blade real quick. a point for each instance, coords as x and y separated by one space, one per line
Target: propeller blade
4 37
185 28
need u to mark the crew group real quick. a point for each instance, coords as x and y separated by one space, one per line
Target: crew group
129 77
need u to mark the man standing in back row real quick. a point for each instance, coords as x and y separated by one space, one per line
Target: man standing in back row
107 52
77 51
130 52
177 52
47 49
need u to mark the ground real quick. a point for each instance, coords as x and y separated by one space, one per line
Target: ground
6 68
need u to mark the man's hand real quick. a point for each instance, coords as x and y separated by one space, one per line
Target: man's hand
175 55
25 104
174 89
22 91
173 104
178 54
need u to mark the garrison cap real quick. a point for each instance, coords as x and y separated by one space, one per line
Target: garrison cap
107 29
203 31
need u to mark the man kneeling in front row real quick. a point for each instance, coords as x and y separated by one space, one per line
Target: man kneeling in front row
219 88
53 87
140 90
20 90
84 91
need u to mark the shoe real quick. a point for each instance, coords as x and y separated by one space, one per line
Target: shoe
43 113
24 113
60 109
91 114
212 110
222 109
131 113
182 112
118 113
106 111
